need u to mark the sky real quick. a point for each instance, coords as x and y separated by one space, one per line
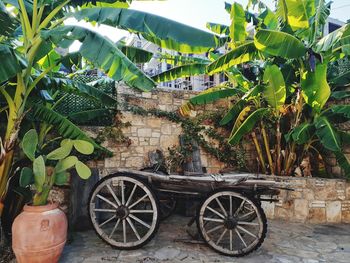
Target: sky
197 12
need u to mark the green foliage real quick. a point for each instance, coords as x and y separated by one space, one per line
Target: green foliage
29 144
181 71
238 23
275 91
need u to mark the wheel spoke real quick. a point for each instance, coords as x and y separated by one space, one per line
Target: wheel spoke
248 232
239 208
122 190
107 221
213 219
230 205
107 201
231 243
105 210
241 238
221 236
114 228
221 206
216 212
138 201
133 228
124 231
131 195
247 223
247 214
113 194
139 220
214 228
141 211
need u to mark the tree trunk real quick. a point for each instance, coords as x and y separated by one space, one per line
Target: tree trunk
267 149
260 155
279 156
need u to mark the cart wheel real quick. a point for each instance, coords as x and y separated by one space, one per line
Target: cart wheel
232 223
124 211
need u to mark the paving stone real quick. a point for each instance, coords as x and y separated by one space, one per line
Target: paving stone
285 243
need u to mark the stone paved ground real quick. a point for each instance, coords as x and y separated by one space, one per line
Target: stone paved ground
285 243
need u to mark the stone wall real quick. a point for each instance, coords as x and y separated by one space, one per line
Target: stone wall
148 133
314 200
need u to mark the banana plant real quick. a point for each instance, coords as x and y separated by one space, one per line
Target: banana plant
31 32
53 168
289 45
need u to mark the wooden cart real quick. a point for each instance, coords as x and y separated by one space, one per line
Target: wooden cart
126 207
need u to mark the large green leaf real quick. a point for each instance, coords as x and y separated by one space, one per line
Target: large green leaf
238 31
39 171
29 143
275 91
328 135
341 79
9 65
269 19
104 54
315 88
343 110
343 162
83 147
79 88
136 55
303 133
159 30
26 177
341 94
245 125
83 170
64 127
299 12
180 72
238 55
178 60
329 41
7 22
320 18
66 164
214 94
61 152
278 43
218 28
236 109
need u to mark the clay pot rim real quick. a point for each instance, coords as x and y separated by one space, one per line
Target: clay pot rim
40 208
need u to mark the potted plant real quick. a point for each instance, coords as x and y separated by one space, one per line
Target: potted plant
42 221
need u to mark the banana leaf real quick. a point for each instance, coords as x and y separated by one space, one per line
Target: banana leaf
245 125
180 72
239 105
9 65
328 135
159 30
240 54
136 55
343 110
104 54
89 115
299 12
329 41
279 43
214 94
269 19
7 23
320 18
275 91
341 79
303 133
178 60
64 127
343 162
238 25
78 88
315 88
342 94
218 28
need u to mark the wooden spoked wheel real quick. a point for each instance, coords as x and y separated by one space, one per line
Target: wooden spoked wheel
124 211
231 223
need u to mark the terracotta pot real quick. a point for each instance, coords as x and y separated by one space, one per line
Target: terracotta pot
39 234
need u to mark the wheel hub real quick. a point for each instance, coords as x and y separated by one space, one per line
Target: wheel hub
122 212
230 222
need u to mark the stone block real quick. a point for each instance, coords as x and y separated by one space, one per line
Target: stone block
317 215
134 162
333 211
167 141
308 194
155 134
301 209
147 95
144 132
347 192
154 141
269 209
166 129
154 122
166 98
